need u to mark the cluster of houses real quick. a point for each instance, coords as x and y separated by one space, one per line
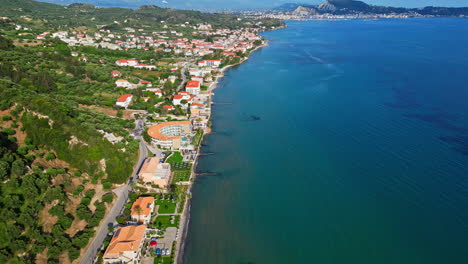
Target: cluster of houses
127 241
229 41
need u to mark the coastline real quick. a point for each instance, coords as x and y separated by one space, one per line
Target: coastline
185 217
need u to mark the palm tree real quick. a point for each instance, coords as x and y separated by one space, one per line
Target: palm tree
139 210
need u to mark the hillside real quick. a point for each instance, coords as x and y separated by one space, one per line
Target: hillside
76 15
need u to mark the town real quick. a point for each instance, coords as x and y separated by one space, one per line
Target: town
163 82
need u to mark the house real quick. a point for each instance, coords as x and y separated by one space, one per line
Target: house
177 100
124 100
121 63
155 172
144 66
147 83
197 78
158 93
126 245
131 62
197 109
211 63
116 74
123 83
168 107
172 78
142 209
84 58
193 87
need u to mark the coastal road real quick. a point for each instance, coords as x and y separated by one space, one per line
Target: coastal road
122 197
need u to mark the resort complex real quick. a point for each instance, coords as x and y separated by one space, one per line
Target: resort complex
170 135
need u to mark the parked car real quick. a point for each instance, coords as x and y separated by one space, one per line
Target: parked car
167 251
158 251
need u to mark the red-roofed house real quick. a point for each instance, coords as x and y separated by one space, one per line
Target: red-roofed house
124 100
116 74
147 83
168 107
193 87
142 209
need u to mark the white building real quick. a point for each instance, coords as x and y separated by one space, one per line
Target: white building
193 87
124 100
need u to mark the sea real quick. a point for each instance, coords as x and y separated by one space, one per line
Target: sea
339 142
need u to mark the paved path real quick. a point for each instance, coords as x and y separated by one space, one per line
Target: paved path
117 209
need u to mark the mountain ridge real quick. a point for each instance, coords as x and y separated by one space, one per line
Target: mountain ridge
345 7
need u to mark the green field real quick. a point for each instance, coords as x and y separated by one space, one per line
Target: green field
166 207
180 176
176 157
164 221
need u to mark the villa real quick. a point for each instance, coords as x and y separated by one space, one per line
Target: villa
126 245
142 209
193 87
124 100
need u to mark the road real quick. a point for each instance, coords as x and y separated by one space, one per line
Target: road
122 196
184 78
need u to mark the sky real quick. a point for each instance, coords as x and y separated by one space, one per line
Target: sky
197 4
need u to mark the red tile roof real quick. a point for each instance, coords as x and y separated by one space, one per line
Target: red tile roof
193 84
124 98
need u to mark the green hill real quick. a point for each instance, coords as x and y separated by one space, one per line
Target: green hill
76 15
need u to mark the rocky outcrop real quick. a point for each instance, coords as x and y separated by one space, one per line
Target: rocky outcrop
304 11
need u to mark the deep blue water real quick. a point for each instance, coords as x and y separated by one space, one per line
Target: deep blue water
360 154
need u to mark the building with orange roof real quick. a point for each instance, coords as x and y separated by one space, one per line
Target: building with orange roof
155 172
193 87
142 209
126 244
170 134
124 100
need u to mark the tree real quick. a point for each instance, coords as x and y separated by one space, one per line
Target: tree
108 198
4 170
18 168
138 210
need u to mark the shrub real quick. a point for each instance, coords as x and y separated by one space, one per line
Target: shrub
50 156
78 190
108 198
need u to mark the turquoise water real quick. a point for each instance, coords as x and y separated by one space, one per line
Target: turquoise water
347 142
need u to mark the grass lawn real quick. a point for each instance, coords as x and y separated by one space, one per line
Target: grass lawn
180 176
176 157
164 221
166 207
197 138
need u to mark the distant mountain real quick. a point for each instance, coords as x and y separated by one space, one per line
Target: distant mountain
291 7
333 5
345 7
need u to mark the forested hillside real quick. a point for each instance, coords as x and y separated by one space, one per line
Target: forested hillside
76 15
56 169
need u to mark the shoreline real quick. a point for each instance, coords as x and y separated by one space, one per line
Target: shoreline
185 216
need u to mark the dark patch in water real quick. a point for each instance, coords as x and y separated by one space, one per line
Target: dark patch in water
404 98
251 118
441 120
461 143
